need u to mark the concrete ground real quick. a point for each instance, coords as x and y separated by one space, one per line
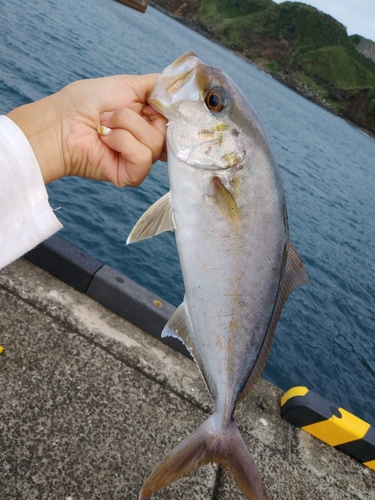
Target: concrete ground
89 405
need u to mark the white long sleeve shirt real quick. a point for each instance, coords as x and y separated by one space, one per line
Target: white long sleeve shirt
26 218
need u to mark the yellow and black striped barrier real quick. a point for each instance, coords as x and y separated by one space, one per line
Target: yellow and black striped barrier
332 425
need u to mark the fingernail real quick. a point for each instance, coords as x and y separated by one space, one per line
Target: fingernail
102 130
148 110
106 116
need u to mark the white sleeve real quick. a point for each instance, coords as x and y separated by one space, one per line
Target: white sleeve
26 218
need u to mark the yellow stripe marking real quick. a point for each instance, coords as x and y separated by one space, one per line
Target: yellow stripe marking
294 392
335 430
370 464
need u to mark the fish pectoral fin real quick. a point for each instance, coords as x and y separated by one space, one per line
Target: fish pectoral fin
226 202
157 219
294 275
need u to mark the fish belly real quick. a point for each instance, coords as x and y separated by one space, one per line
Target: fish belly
231 275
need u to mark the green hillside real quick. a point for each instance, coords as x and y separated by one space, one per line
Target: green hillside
297 25
296 43
336 65
212 12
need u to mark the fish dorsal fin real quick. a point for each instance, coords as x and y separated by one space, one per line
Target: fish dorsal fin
179 326
294 275
157 219
225 202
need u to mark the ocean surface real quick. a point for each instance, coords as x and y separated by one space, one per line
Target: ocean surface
325 338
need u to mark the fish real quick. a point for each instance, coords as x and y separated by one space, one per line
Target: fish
226 206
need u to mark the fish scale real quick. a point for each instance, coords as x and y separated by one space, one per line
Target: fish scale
227 207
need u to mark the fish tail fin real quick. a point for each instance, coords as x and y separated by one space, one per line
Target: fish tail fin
236 458
209 443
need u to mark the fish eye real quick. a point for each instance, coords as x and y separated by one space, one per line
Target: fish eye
215 100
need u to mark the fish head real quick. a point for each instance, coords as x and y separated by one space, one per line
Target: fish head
209 119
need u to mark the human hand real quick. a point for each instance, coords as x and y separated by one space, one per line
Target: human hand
63 130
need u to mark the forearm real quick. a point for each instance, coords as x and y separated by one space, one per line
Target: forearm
39 121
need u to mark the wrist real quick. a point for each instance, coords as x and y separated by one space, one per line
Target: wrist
42 128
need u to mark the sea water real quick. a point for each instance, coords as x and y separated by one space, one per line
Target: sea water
325 338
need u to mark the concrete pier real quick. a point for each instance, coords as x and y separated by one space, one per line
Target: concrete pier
90 404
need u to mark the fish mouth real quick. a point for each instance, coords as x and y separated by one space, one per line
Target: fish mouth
177 73
175 83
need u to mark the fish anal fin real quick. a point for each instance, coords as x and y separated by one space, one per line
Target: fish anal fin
157 219
209 443
179 326
226 202
294 275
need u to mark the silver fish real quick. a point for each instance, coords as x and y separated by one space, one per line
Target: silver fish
227 207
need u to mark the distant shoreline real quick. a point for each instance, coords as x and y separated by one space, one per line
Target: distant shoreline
298 87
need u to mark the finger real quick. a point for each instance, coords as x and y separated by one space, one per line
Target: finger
151 136
155 119
148 110
160 123
135 160
127 91
143 85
